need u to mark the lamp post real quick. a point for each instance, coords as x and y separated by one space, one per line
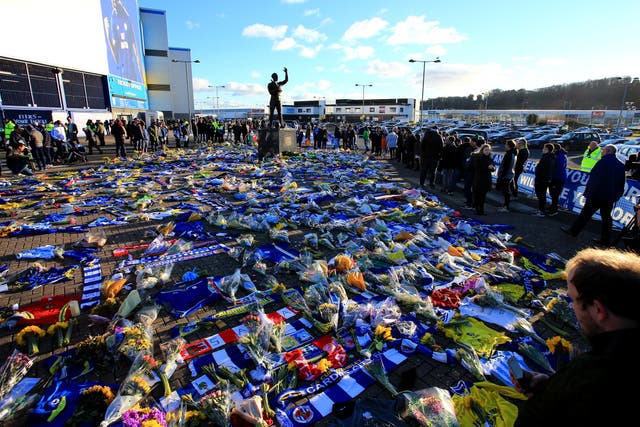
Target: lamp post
186 76
363 86
624 98
424 63
218 99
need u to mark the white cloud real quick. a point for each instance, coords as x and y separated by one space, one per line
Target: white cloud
255 74
200 84
358 52
364 29
245 89
284 44
310 52
326 21
414 30
436 50
387 70
319 68
261 30
308 35
312 12
192 25
293 1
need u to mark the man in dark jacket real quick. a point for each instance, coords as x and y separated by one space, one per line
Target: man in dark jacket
604 188
430 153
543 175
598 387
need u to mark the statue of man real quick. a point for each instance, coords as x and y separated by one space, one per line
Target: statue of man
275 89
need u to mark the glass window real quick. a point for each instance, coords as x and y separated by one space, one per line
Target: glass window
95 91
392 109
44 86
338 109
74 89
14 83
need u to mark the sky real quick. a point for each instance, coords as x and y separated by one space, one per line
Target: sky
329 46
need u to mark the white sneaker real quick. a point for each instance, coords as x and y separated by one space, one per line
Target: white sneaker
539 214
503 209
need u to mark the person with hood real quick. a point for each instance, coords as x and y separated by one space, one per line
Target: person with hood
483 167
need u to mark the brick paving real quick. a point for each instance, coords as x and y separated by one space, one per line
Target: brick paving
542 234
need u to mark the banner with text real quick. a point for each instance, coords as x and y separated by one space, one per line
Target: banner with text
571 197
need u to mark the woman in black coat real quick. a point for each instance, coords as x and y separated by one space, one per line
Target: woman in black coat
544 173
521 160
482 168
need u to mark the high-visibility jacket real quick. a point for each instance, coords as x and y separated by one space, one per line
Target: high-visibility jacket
589 160
8 129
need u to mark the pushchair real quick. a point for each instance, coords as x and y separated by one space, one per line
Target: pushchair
72 152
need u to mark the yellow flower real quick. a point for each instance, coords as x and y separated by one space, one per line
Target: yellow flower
151 423
105 392
559 344
279 287
34 330
323 365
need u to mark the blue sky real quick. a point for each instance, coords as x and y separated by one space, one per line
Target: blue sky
329 46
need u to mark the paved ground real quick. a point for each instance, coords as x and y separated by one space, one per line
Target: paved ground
542 234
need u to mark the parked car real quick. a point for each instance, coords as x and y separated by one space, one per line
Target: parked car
634 141
577 140
614 141
539 142
505 136
473 133
626 150
624 132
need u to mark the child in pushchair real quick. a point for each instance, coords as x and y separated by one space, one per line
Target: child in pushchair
70 152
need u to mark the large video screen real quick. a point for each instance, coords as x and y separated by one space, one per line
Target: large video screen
121 22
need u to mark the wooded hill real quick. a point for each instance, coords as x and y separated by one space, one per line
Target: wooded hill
603 94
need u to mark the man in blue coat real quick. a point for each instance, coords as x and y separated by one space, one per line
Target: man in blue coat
604 188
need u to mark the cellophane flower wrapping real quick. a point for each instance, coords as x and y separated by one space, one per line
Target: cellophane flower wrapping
14 368
432 406
136 386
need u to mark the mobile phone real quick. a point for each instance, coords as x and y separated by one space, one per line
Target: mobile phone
515 368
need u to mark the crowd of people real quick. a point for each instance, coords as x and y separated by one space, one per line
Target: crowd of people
38 146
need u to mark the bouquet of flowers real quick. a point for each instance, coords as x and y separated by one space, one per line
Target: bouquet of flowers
432 407
171 353
257 341
533 354
92 404
470 361
144 417
13 370
375 368
135 387
93 351
381 335
216 406
561 349
561 311
28 337
58 330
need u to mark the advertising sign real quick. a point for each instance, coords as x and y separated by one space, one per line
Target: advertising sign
572 198
126 78
26 117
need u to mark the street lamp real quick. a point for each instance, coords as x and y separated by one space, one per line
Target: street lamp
624 98
218 99
186 75
424 63
363 86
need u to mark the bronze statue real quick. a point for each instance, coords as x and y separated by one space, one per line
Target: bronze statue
275 89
